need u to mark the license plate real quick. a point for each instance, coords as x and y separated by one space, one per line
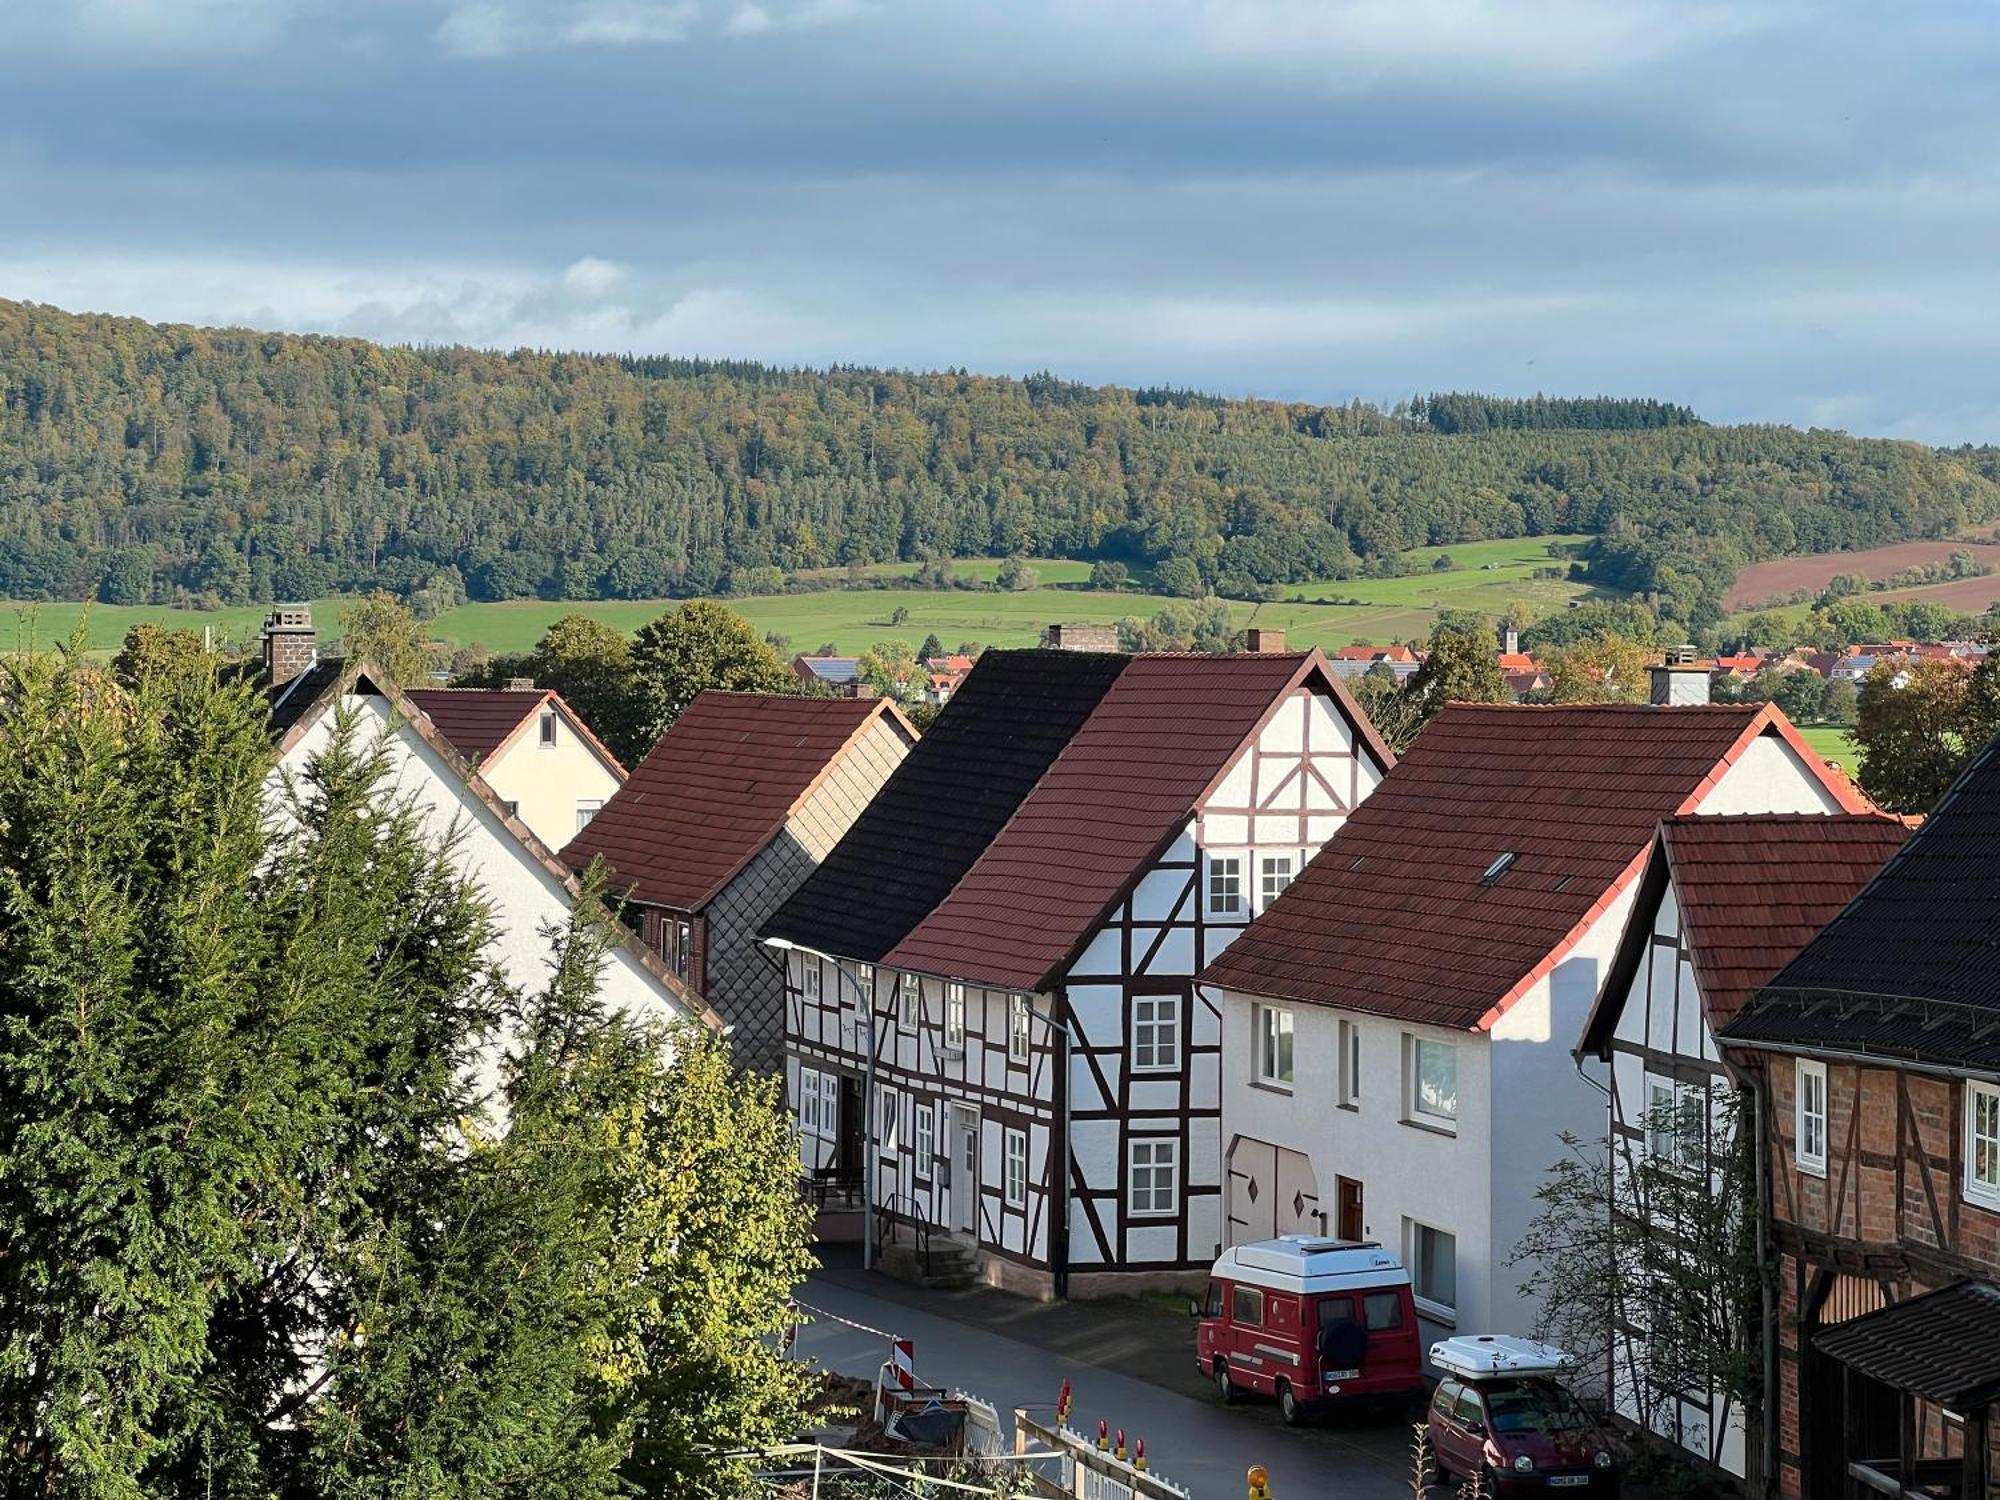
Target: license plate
1342 1375
1568 1481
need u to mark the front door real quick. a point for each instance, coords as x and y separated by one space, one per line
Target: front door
1252 1199
965 1170
848 1138
1352 1225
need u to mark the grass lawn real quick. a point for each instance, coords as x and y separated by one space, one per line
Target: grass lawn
1487 577
1834 744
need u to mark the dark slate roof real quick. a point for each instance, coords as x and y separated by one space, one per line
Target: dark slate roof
953 793
1943 1346
1408 910
1752 891
1118 793
715 790
1911 968
294 698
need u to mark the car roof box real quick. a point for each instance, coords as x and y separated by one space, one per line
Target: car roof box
1482 1356
1312 1263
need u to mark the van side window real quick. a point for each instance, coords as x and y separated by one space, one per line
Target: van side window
1214 1309
1247 1306
1383 1310
1282 1312
1446 1398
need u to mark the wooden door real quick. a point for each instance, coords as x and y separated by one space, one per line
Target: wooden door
1353 1224
965 1170
1297 1208
1252 1201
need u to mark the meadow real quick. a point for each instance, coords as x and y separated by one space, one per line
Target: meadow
1485 577
1832 743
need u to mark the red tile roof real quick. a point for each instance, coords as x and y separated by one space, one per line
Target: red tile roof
1117 795
1752 892
1393 916
480 721
715 790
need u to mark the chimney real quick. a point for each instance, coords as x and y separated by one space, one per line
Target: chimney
520 684
290 643
1680 679
1510 638
1078 636
1263 638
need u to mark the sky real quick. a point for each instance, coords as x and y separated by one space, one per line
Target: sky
1769 210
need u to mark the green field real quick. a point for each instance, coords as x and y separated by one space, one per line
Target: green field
1487 577
1833 744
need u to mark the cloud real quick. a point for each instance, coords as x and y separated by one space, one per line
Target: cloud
501 28
153 29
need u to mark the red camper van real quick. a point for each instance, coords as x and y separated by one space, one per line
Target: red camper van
1309 1320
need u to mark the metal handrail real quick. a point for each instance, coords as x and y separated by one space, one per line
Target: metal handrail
888 1216
823 1183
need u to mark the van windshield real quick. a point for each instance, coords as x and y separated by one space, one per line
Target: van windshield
1379 1311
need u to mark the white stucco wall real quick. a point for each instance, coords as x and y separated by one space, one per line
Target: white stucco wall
547 781
1769 777
524 896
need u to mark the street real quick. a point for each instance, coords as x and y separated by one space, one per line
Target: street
1192 1439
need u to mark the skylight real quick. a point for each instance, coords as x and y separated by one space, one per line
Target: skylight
1498 868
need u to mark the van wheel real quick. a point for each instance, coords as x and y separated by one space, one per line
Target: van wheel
1289 1406
1224 1386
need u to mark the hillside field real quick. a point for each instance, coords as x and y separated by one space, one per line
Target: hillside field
1486 577
1781 576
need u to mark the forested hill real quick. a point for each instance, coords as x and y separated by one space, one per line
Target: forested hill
140 462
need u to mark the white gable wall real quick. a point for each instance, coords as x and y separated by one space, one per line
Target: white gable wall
546 782
1769 777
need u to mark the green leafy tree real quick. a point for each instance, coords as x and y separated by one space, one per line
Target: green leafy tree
1395 713
931 647
1015 575
1108 574
698 646
1180 577
1840 704
1460 666
383 631
1604 669
591 665
1914 731
150 649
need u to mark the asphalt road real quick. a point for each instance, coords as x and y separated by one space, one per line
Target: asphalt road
1194 1440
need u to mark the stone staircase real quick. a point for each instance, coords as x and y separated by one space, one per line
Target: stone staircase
954 1262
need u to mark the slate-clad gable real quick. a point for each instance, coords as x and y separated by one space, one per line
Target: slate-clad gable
948 800
1498 835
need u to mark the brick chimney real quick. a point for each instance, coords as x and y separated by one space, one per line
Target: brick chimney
520 684
1680 679
1263 638
290 642
1078 636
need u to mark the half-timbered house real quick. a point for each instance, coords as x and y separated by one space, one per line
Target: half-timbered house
734 807
1048 1078
1397 1030
1724 903
1875 1059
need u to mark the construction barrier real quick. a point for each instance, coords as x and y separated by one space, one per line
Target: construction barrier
1086 1468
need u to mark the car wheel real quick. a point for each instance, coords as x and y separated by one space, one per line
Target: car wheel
1290 1408
1224 1386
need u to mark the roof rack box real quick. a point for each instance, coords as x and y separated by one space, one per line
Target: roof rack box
1482 1356
1312 1263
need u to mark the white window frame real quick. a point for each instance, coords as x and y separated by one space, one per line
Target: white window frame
925 1120
1443 1312
1014 1169
546 732
954 1016
586 809
809 1104
1156 1033
829 1106
1161 1152
888 1119
1274 875
1809 1077
1350 1065
1020 1041
812 979
1269 1025
1661 1140
909 1000
1416 1112
1982 1099
1225 871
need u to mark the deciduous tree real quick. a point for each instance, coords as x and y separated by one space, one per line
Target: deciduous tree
698 646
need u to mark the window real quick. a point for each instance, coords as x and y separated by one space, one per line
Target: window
1809 1101
954 1017
1382 1310
829 1105
548 728
1247 1306
1350 1065
889 1118
926 1139
1016 1180
1154 1166
1982 1144
813 979
513 809
1276 875
586 809
1156 1032
1433 1080
1434 1267
1213 1307
1660 1119
677 951
1273 1042
1017 1027
1225 885
809 1102
909 1001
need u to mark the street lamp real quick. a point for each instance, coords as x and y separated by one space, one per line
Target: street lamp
786 945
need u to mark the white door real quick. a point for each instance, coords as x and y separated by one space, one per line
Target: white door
1298 1210
1252 1201
965 1169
